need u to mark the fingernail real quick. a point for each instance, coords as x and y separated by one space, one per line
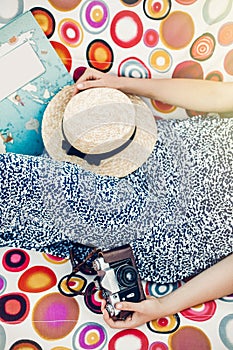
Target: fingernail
79 86
119 306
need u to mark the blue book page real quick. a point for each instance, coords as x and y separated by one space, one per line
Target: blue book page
31 74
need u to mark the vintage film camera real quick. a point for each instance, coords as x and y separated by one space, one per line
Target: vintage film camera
118 279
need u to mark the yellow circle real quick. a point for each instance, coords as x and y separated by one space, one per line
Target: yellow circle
101 54
160 60
171 324
92 338
79 283
97 15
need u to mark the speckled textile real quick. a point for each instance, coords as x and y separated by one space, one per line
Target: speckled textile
175 211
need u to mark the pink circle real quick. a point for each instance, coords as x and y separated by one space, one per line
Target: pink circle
121 21
15 258
189 337
158 345
151 38
200 313
177 30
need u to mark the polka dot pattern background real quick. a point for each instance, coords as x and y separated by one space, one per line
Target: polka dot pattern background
141 39
138 38
38 312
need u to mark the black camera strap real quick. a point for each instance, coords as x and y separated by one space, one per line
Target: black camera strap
76 268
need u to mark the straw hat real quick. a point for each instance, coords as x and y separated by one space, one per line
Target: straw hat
103 130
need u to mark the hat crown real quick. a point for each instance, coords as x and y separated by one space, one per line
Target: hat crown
97 123
116 135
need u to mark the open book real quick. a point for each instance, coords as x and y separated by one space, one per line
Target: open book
31 74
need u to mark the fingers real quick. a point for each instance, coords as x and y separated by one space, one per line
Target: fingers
128 323
87 78
88 84
129 306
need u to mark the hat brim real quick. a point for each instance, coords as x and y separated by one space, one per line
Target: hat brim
119 165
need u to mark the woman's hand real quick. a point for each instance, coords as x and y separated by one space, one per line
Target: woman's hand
92 78
143 312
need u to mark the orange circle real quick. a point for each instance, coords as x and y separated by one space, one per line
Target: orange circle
62 5
186 2
225 34
188 69
100 55
12 307
203 47
214 76
177 30
163 107
54 316
228 63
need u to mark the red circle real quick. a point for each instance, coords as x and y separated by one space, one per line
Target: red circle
132 332
65 28
63 53
163 322
102 62
136 19
15 260
157 7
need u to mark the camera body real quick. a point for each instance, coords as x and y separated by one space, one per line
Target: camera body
118 279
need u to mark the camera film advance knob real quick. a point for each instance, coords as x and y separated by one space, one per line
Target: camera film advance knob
96 265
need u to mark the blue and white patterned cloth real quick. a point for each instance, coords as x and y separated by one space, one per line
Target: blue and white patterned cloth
175 211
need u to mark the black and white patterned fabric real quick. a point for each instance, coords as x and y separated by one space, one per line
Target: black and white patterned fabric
175 210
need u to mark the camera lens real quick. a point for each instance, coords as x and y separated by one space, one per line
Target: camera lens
126 275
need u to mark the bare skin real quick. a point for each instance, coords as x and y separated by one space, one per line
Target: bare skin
199 95
191 94
213 283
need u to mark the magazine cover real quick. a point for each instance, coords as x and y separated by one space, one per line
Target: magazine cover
31 74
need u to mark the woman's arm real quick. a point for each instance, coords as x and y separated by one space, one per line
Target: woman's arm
213 283
193 94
